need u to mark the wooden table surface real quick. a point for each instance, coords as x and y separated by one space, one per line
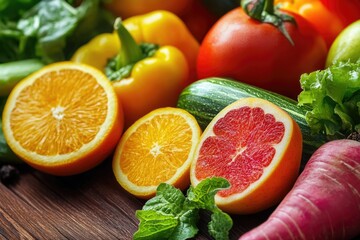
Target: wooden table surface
86 206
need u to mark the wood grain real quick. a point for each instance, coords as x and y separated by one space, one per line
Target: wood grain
86 206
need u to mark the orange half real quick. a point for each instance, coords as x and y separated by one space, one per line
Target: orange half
64 119
157 148
257 147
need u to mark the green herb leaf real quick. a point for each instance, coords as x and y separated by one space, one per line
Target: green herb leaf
333 95
187 225
203 195
220 225
171 215
166 217
168 200
155 225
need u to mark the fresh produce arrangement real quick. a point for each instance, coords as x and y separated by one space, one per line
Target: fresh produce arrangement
205 98
274 62
223 107
160 66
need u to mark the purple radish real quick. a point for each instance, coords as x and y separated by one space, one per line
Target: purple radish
325 200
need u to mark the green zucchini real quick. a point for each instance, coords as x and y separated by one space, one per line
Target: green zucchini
207 97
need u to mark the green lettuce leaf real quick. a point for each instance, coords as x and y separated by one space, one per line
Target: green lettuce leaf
333 95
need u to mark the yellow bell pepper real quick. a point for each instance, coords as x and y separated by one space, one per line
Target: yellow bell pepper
145 77
158 27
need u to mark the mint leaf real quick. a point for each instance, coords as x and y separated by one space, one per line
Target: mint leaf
333 96
168 200
187 225
166 217
220 225
171 215
203 195
155 225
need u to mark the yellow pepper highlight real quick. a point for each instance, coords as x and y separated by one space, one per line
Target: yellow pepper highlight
155 82
158 27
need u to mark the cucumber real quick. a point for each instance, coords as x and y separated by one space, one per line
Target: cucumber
207 97
12 72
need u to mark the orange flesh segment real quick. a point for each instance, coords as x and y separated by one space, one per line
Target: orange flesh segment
242 147
59 123
161 156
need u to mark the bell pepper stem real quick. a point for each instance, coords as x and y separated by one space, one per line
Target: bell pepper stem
269 6
130 52
264 11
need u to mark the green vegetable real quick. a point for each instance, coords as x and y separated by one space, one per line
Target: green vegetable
11 73
207 97
6 154
50 30
333 96
171 215
12 9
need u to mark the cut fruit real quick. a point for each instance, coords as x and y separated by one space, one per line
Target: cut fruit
257 147
157 148
63 119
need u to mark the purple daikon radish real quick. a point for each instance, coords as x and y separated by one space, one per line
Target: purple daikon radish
325 200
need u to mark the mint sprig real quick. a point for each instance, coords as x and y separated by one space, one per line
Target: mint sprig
171 215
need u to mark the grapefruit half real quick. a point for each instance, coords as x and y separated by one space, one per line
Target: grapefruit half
257 147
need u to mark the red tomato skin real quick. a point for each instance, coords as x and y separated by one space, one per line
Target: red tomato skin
257 53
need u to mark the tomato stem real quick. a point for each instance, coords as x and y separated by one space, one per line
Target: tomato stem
264 11
130 52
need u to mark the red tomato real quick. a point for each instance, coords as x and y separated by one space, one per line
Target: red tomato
257 53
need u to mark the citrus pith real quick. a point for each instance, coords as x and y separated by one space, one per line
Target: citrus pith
157 148
257 147
63 119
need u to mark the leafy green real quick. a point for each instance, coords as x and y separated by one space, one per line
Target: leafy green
13 9
334 97
50 30
171 215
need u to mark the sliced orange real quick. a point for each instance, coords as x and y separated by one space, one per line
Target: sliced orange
257 147
63 119
157 148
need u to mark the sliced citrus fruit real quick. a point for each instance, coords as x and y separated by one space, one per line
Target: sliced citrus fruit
157 148
63 119
257 147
